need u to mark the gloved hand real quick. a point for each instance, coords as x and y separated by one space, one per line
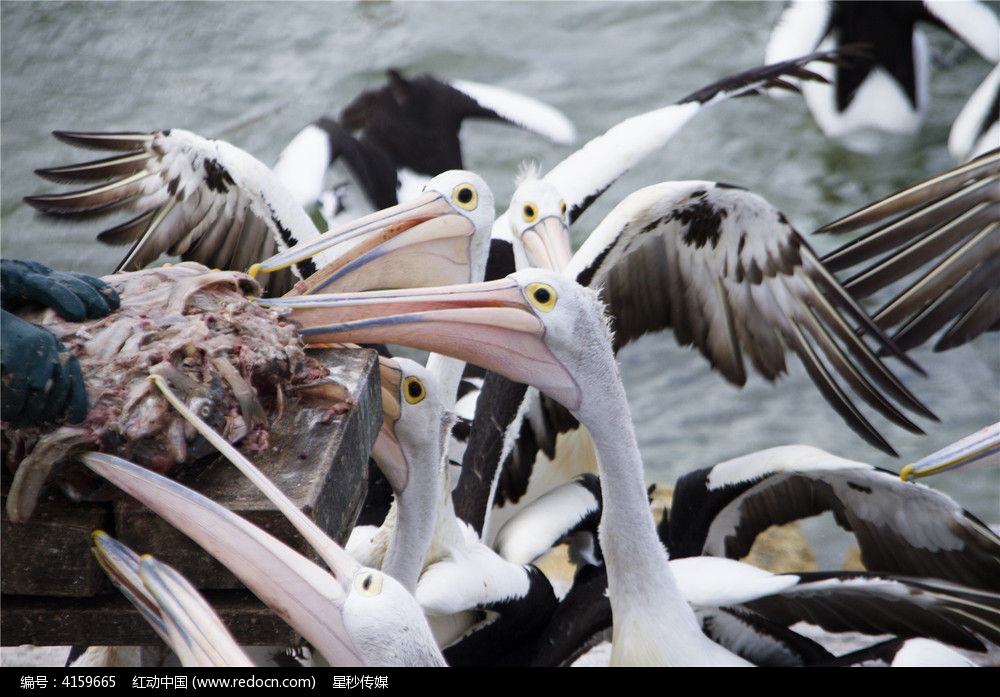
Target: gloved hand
74 296
41 378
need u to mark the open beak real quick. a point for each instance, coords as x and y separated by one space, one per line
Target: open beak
489 324
982 448
423 242
308 597
177 611
387 452
547 245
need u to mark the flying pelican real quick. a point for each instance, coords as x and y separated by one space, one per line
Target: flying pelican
544 329
584 175
393 139
941 235
886 92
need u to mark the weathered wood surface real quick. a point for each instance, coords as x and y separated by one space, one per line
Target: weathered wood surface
111 620
318 455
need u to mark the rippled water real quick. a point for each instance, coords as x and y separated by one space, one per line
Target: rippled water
254 73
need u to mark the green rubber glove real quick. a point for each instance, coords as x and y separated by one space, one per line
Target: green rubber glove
41 379
74 296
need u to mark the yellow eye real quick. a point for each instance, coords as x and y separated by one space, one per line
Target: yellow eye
368 582
562 207
542 296
529 212
465 196
413 390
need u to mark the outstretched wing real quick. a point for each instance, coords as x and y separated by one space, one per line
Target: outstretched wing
943 237
727 272
201 200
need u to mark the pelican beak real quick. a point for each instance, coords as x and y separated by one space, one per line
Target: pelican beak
121 565
489 324
309 598
178 612
423 242
546 244
981 448
387 452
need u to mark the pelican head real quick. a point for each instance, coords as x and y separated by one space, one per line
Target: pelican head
437 238
352 615
534 326
539 224
413 413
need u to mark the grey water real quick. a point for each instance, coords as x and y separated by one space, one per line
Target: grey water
253 73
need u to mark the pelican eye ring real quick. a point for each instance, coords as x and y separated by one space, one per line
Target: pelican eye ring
542 296
530 212
413 390
465 196
369 582
562 207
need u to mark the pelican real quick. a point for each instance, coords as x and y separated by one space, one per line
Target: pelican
393 139
352 615
940 239
886 92
421 544
544 329
730 275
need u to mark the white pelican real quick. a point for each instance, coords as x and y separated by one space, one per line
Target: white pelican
886 92
352 615
940 239
542 328
393 139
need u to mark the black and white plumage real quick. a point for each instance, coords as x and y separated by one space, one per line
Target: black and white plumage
202 200
563 194
208 201
886 92
392 139
900 527
936 247
729 274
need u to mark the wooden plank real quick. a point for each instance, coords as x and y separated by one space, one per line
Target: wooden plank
50 554
111 620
